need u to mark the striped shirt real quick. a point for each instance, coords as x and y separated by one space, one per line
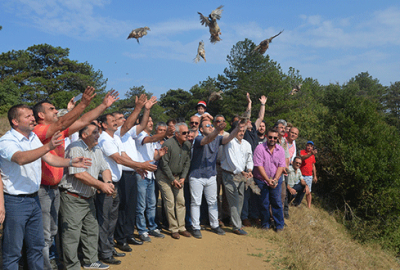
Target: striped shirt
99 164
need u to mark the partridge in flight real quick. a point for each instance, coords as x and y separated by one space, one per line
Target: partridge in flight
211 23
263 46
138 33
200 52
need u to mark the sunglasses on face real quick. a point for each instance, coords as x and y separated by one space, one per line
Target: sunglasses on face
208 125
219 121
270 137
194 123
185 132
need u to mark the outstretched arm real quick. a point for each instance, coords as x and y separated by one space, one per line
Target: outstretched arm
67 120
261 113
88 117
130 122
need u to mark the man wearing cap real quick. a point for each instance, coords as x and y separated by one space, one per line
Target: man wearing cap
308 169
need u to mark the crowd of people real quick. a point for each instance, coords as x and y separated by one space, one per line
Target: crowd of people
91 182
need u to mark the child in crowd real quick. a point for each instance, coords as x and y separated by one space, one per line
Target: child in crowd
201 108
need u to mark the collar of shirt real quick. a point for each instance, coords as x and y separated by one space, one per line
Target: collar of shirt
20 136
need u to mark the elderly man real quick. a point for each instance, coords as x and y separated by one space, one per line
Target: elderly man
20 157
203 172
291 142
48 123
77 208
194 124
171 175
237 166
269 163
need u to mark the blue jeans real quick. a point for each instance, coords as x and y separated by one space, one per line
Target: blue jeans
146 204
50 204
271 196
299 196
23 223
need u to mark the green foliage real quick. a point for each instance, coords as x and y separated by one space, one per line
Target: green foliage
44 72
391 103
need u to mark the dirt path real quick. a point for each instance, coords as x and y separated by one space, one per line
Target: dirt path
230 251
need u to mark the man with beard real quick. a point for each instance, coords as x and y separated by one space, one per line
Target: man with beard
269 163
261 132
203 172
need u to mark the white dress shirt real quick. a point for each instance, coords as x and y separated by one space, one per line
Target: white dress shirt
19 179
111 145
145 150
237 156
129 145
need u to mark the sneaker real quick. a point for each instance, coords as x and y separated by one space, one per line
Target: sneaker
145 237
96 265
240 232
156 233
218 231
197 234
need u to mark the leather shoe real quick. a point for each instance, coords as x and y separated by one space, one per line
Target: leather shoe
110 260
246 223
118 254
185 233
133 241
123 247
175 235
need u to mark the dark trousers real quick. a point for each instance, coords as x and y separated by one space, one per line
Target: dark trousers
299 196
107 215
127 190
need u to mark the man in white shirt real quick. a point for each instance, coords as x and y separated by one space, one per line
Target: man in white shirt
237 165
20 161
107 206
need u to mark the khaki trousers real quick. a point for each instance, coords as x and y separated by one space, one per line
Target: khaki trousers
174 203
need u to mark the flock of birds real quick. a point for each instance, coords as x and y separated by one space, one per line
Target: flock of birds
215 31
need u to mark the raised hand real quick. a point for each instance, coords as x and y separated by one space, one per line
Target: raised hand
150 103
248 98
110 98
141 101
71 104
263 99
88 95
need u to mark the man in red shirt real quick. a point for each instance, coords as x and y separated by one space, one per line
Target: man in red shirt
308 169
48 123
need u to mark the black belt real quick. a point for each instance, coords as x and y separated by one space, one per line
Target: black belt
50 187
228 172
33 195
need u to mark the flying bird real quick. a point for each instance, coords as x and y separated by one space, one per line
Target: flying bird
211 23
215 96
263 46
295 89
138 33
200 52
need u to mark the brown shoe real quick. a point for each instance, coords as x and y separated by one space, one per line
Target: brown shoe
246 223
185 233
175 235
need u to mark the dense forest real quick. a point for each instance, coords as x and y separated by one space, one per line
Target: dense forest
355 125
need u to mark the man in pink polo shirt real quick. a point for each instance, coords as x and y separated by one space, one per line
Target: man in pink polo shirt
269 163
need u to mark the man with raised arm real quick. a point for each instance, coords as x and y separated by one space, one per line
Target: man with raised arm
250 210
20 157
48 123
202 176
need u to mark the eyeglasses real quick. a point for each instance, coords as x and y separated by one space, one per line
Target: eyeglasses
194 123
270 137
185 132
219 121
209 125
297 163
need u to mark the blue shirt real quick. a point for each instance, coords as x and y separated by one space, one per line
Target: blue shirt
204 158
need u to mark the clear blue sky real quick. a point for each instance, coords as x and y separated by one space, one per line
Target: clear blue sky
331 41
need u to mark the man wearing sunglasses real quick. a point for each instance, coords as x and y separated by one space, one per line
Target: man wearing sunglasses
296 186
202 176
269 163
194 124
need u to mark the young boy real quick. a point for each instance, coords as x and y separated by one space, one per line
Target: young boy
296 186
201 110
308 169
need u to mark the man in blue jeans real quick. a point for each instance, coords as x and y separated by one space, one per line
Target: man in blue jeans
20 157
269 163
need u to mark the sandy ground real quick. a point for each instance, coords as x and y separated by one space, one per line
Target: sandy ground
213 251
